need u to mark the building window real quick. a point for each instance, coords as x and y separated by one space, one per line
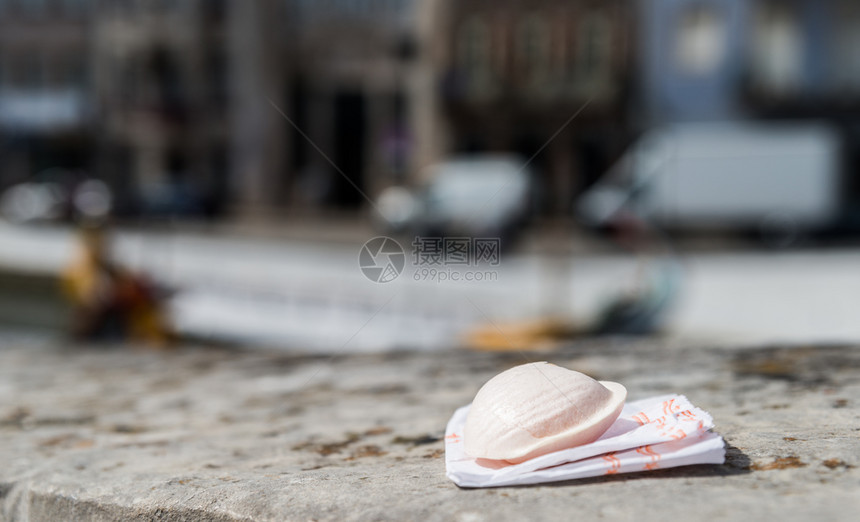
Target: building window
777 56
501 49
74 73
75 7
215 9
593 47
701 39
130 82
33 8
473 55
28 69
533 48
15 71
848 46
218 75
125 7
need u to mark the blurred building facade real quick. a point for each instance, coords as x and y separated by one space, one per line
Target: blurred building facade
724 59
176 104
131 92
350 94
202 106
46 102
789 61
160 125
547 79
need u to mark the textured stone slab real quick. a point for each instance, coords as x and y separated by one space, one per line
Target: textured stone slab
211 434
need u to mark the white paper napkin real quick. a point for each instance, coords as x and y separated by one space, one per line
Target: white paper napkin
654 433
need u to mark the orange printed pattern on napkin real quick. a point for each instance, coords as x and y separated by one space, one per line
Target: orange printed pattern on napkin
648 451
641 418
669 407
613 462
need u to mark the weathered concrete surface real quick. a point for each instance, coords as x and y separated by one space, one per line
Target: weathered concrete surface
211 434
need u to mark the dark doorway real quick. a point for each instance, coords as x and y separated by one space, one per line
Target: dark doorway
593 162
349 140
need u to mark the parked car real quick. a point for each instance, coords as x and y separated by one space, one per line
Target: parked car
56 194
474 196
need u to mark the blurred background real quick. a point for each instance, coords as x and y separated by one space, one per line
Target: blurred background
681 167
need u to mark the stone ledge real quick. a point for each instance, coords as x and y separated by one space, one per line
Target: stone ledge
210 434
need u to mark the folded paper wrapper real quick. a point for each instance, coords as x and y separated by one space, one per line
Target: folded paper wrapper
654 433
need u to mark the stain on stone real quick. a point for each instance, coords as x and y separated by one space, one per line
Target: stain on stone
807 366
113 466
435 454
295 410
379 430
328 448
15 417
153 443
71 420
790 439
771 369
779 463
54 441
370 450
67 440
840 403
389 389
127 428
836 463
256 402
203 365
415 441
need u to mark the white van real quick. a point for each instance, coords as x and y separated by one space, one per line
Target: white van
736 175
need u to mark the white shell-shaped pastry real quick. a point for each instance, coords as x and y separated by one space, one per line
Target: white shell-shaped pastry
539 408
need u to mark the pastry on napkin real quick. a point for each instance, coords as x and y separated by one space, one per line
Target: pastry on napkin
653 433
